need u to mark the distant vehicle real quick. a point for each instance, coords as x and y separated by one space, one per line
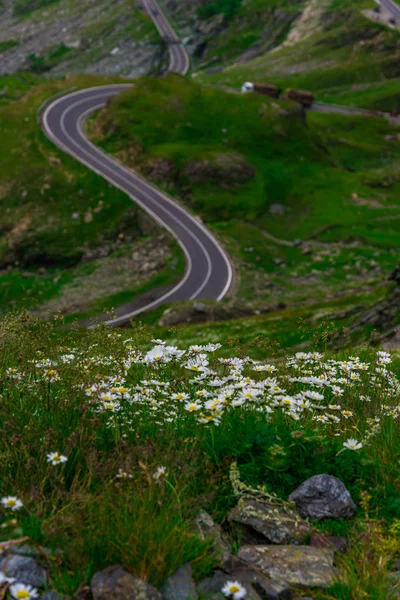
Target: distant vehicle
247 87
377 9
303 97
392 21
267 89
154 12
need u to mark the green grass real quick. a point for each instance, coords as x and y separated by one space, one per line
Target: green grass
336 179
7 44
52 382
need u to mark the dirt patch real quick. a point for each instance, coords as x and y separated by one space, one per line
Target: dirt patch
17 234
133 267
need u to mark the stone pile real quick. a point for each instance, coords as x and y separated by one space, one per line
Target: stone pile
279 556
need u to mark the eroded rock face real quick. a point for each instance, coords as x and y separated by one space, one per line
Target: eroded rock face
274 523
323 497
296 565
180 586
114 583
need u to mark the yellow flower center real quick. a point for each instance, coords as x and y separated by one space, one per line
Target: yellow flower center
233 589
23 594
11 503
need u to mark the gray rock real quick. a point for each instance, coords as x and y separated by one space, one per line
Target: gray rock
114 583
207 528
52 596
323 497
296 565
25 570
258 587
180 586
266 588
277 209
275 524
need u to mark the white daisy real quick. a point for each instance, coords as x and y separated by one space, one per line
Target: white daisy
352 444
55 458
234 589
20 591
11 502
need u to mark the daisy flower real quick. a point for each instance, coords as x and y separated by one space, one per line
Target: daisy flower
124 474
20 591
55 458
160 472
352 444
234 589
11 502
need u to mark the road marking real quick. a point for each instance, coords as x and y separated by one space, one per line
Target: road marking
179 62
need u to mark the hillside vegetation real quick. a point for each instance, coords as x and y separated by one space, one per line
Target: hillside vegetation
265 176
61 224
344 58
147 435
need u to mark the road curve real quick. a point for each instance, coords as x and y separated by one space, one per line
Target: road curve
391 7
208 270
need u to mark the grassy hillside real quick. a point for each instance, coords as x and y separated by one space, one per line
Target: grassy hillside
346 58
61 223
126 494
265 176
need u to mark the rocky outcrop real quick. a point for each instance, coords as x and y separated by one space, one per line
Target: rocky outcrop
89 37
296 565
114 583
227 169
323 497
275 524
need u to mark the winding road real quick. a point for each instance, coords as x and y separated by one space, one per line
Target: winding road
208 269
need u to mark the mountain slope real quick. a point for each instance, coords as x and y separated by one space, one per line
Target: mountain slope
65 36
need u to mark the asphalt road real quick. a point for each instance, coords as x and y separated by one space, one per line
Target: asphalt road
208 270
391 7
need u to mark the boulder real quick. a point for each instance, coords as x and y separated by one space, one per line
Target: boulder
272 522
323 497
180 586
296 565
114 583
24 569
52 596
